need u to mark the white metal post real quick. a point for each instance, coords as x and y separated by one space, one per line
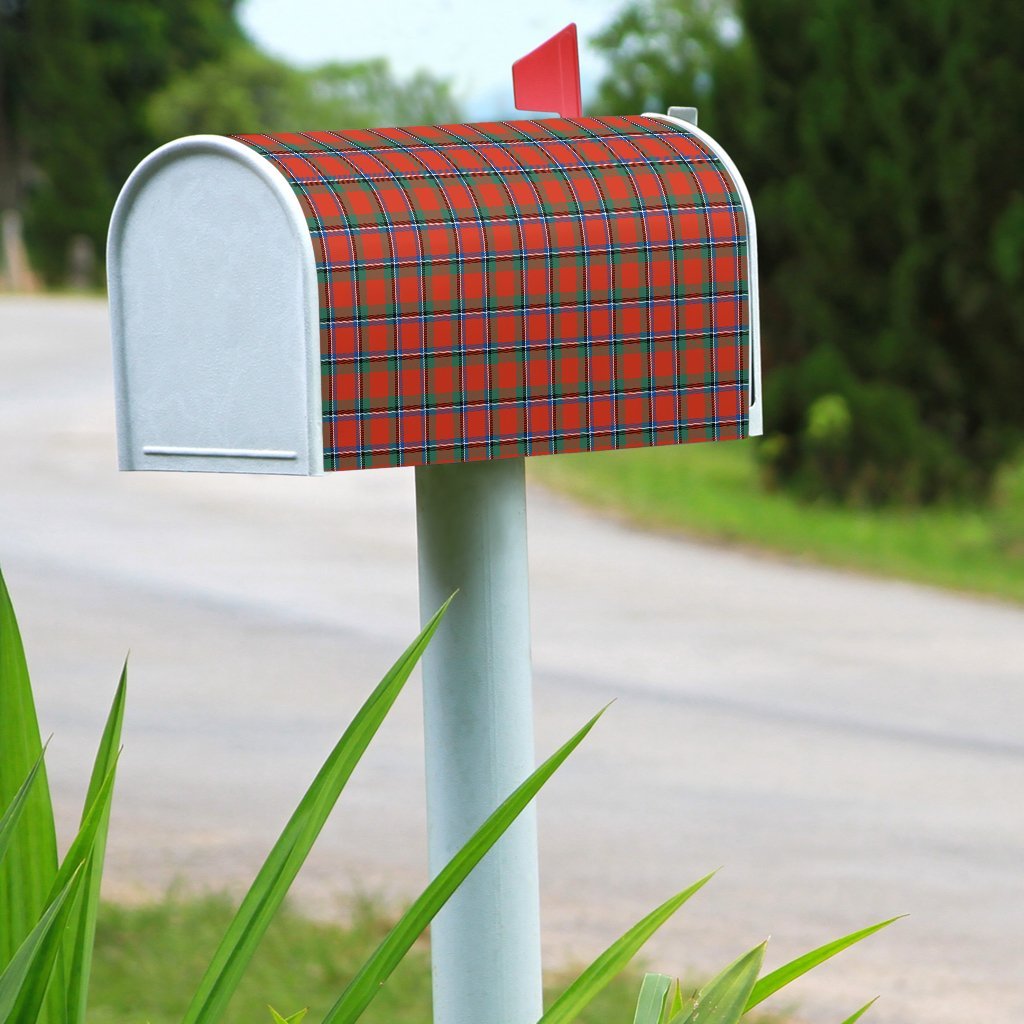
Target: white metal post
478 712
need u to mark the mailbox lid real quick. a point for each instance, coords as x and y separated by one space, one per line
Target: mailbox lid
525 287
214 315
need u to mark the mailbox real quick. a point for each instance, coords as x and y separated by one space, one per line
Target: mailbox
453 298
409 296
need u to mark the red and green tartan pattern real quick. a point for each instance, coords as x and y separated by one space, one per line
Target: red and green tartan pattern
522 288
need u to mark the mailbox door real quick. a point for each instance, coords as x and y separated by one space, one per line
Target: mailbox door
215 317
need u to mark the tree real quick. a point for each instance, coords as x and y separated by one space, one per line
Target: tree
874 137
74 84
248 91
89 87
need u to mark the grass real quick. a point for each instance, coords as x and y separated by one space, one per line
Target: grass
149 958
713 491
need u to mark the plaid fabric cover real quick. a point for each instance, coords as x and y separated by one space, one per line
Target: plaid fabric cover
522 288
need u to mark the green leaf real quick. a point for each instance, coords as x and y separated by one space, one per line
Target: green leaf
82 931
771 983
651 1004
282 864
26 977
295 1018
17 805
569 1004
860 1013
30 866
372 975
723 1000
73 865
675 1006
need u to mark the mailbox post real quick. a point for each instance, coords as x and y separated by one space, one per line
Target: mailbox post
454 298
478 722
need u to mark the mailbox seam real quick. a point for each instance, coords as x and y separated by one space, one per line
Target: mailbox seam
538 143
415 451
356 176
695 299
438 222
352 265
475 402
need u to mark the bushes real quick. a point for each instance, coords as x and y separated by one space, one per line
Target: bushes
1008 508
875 141
835 435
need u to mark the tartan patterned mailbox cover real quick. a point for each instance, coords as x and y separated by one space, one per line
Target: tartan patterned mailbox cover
456 293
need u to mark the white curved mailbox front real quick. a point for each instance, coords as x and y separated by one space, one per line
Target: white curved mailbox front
215 320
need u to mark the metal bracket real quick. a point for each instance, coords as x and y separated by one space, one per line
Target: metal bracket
687 114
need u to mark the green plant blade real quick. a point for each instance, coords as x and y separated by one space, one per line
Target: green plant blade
295 1018
853 1018
282 864
723 1000
10 817
84 843
73 866
779 978
81 935
675 1006
595 977
651 1003
30 866
372 975
24 980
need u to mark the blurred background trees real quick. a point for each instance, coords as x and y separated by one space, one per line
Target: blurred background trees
89 87
880 140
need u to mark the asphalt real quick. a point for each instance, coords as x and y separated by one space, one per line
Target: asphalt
845 748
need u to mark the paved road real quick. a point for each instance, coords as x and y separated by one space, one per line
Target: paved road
846 748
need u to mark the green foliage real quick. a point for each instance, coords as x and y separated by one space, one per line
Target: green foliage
48 919
89 87
890 221
82 932
146 956
854 1017
730 995
150 957
611 962
35 959
245 88
723 1000
275 878
295 1018
1008 510
733 993
45 978
29 866
378 968
651 1004
77 74
782 976
715 491
12 815
48 912
248 91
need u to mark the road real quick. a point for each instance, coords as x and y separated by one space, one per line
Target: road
845 748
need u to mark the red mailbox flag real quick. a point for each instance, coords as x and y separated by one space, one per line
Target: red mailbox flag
548 78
